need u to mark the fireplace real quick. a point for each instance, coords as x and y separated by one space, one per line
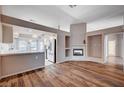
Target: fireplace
78 52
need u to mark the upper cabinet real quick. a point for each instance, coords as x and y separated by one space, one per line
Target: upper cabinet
6 33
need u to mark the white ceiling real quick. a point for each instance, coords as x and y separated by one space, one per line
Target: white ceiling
88 13
63 15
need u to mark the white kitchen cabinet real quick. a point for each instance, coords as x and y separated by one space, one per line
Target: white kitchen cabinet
17 63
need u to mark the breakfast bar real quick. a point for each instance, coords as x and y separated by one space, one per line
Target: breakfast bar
12 63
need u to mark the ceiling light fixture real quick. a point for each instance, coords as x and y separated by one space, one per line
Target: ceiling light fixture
72 6
34 36
16 35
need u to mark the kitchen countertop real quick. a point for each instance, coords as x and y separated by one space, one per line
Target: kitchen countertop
7 53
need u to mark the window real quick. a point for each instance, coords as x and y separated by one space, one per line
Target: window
112 48
41 45
22 45
33 45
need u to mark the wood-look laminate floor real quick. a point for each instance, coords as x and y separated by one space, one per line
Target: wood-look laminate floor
116 62
68 74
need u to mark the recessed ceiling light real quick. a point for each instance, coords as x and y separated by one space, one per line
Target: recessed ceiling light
16 35
34 36
30 40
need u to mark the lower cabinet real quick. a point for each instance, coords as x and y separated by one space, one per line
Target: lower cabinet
0 68
14 64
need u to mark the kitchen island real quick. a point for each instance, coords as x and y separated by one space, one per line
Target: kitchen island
12 63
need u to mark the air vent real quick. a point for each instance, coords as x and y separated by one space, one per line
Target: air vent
72 6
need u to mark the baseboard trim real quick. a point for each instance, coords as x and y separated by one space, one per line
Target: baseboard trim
5 76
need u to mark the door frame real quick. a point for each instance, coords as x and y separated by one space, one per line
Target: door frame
106 46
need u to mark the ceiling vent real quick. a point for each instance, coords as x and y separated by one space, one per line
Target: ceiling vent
72 6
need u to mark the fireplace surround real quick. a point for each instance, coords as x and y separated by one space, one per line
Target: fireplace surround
78 52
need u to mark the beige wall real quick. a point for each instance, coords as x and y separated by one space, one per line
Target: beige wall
95 46
78 32
61 46
118 38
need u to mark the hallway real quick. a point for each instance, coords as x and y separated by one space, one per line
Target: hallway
114 50
117 62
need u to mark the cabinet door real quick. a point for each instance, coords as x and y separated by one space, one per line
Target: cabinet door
0 67
7 34
14 64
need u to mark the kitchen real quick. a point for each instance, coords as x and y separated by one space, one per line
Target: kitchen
23 49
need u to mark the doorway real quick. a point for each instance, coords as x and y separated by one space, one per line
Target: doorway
50 49
114 50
